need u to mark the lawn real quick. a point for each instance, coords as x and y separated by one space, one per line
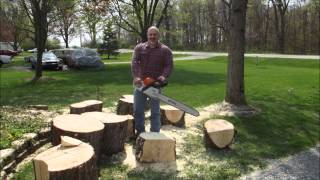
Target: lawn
286 91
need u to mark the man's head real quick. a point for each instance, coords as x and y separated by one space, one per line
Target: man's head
153 35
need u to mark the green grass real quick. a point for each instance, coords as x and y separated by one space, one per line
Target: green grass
14 123
26 172
286 91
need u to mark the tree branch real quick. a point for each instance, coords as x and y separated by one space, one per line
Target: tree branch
163 12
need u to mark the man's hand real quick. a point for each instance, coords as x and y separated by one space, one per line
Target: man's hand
137 82
161 78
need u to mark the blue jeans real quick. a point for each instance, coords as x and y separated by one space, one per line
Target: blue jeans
140 101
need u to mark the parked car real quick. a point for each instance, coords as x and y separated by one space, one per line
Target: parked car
4 59
32 50
63 54
49 61
85 58
8 52
7 48
80 58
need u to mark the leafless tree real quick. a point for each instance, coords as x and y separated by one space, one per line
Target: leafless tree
144 12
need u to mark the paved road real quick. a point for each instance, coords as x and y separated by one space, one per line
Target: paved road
304 165
205 55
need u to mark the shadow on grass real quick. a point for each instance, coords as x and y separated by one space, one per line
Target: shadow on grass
283 128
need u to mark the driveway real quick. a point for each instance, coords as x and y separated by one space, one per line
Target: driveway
204 55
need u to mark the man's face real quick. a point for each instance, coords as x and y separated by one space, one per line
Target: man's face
153 36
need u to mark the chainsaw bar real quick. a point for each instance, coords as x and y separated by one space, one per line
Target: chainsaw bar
155 94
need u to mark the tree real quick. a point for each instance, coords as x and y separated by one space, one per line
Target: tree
12 17
280 9
235 93
92 13
37 12
110 42
66 18
144 12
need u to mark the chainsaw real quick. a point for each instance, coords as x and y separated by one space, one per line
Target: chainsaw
151 88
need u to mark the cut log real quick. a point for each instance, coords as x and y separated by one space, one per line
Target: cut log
79 127
125 105
172 115
86 106
115 130
131 128
155 147
60 162
218 133
67 141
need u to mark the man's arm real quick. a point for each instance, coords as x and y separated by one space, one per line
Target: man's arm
136 67
168 65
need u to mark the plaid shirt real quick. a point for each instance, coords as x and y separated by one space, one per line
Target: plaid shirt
151 62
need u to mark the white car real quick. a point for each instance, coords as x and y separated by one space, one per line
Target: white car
32 50
4 59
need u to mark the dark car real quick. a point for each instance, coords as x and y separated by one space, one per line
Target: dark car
49 61
8 52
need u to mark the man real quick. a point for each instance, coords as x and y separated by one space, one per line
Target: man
150 59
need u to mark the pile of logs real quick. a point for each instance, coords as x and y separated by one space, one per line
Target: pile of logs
79 138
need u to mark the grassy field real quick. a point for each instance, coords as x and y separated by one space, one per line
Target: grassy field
287 92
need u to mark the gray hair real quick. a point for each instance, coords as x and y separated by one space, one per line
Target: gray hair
154 28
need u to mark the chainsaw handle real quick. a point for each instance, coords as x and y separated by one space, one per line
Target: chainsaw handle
154 83
159 84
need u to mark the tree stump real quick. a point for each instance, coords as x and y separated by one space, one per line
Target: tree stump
172 115
86 106
218 133
125 105
115 131
66 162
155 147
79 127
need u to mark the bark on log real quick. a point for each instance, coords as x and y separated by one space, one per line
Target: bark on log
79 127
218 133
172 115
115 130
125 105
155 147
86 106
65 163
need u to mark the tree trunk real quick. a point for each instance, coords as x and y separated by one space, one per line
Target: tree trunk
125 105
115 131
86 129
67 40
86 106
235 93
144 36
281 37
155 147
